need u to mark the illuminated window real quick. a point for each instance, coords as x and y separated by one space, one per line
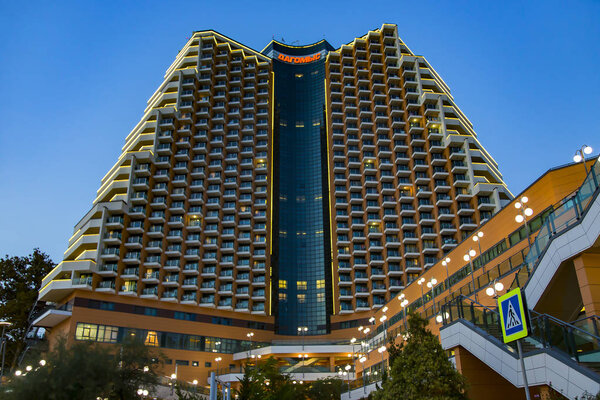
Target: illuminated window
301 298
151 339
320 297
299 124
321 284
282 284
316 123
86 331
299 75
282 296
301 285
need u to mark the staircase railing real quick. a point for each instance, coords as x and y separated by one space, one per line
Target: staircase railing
589 324
568 213
546 330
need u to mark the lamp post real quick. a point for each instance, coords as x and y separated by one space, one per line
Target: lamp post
217 361
362 361
445 263
493 289
195 383
420 283
403 304
173 380
580 155
431 284
347 373
4 324
302 330
477 238
524 212
249 335
382 320
352 341
365 343
469 257
382 350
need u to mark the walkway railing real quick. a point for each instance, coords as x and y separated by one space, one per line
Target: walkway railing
547 332
564 216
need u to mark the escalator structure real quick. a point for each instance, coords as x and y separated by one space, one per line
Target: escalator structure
564 356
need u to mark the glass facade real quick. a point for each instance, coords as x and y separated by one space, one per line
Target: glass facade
302 277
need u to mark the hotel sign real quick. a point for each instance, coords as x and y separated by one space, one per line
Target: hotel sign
300 59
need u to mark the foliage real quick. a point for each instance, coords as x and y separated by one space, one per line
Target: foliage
86 370
325 389
20 280
263 381
420 368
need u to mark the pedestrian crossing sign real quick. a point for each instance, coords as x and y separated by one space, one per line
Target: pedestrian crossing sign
513 316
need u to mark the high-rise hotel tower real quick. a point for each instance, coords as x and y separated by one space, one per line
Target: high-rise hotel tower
289 191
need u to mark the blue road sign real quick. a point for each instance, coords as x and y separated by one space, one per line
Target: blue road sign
513 316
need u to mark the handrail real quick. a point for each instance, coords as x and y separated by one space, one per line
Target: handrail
563 323
580 202
594 317
536 315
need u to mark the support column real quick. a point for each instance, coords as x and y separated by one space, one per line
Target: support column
587 268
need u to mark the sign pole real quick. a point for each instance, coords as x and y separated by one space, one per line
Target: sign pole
523 369
514 321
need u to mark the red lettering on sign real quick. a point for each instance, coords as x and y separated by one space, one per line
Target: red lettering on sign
299 60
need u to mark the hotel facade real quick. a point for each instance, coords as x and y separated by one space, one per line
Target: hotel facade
273 202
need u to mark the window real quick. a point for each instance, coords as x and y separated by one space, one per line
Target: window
321 284
301 285
282 284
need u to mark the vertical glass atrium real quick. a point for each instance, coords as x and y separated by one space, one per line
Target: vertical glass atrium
301 240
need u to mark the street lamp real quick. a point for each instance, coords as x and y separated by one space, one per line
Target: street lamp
249 335
522 216
445 263
365 332
420 283
381 350
362 361
580 155
347 373
477 238
195 383
403 304
3 324
382 320
469 257
352 341
217 361
431 284
173 377
493 289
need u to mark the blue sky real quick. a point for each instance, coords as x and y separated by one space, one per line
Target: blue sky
75 77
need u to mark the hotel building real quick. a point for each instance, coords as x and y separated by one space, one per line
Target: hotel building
270 203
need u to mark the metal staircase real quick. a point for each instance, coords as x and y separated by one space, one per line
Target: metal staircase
563 355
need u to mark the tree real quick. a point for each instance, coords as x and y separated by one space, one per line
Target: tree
420 368
86 371
326 389
263 381
20 281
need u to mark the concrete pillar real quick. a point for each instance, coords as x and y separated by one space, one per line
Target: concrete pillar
587 268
